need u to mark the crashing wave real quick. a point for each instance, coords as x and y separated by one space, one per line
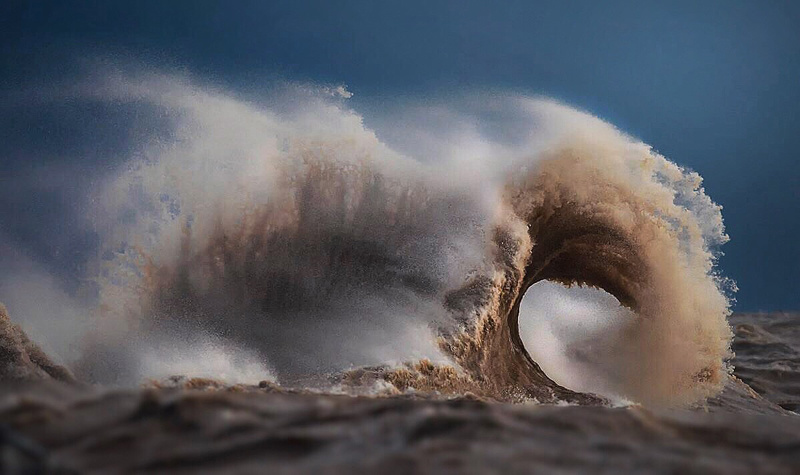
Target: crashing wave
287 234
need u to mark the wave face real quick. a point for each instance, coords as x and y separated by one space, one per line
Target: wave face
287 237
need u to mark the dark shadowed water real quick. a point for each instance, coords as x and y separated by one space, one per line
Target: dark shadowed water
767 347
201 427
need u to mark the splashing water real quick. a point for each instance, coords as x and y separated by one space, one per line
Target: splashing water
283 238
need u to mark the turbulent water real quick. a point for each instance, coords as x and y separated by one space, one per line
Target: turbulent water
284 237
283 240
203 426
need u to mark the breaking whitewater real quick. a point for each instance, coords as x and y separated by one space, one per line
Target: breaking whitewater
492 282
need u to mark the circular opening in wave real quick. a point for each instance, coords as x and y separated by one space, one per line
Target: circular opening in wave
574 333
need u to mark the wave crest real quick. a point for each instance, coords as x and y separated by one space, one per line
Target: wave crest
296 233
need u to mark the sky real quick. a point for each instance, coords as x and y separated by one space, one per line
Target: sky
713 85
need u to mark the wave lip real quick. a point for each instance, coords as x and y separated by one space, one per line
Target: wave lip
606 214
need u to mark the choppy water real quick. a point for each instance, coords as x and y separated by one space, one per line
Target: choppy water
64 429
767 347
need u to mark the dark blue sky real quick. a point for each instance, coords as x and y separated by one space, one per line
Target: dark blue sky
714 85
